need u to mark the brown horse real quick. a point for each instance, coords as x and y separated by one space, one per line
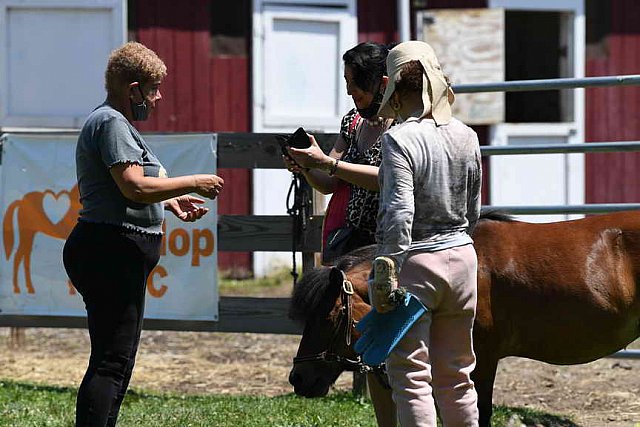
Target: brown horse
563 293
33 219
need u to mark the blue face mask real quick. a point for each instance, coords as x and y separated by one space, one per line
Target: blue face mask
140 111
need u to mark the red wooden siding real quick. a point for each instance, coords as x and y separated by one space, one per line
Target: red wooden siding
201 93
230 92
612 114
377 21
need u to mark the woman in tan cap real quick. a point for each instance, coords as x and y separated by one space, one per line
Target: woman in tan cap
430 200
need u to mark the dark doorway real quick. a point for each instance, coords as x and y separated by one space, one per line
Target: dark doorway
536 48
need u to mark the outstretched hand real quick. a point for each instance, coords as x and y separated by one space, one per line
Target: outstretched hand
187 208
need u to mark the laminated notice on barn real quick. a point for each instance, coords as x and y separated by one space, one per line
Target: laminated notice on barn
39 203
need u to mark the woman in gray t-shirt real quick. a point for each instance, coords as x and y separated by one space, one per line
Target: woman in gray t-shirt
124 191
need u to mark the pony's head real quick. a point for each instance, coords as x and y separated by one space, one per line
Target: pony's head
329 301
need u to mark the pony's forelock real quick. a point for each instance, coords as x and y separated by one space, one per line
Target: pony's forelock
308 292
310 296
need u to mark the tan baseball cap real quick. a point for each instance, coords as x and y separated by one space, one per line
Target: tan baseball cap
436 101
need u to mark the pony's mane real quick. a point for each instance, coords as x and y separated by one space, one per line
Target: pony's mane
310 296
495 215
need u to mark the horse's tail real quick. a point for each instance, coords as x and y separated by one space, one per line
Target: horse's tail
7 228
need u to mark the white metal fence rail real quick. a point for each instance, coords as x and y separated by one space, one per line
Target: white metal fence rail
548 84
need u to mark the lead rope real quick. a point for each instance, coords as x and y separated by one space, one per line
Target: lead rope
298 213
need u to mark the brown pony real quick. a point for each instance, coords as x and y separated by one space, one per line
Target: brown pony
563 293
33 219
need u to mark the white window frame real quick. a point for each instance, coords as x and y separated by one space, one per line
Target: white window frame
572 130
264 122
118 10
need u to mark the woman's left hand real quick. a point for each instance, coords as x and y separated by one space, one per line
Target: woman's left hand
186 207
312 157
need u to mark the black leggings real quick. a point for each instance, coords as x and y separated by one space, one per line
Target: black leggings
109 266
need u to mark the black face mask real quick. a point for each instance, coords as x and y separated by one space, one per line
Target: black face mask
140 111
372 110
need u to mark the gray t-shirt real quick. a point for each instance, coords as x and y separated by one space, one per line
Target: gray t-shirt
430 180
107 139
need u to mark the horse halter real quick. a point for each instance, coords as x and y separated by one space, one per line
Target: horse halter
345 324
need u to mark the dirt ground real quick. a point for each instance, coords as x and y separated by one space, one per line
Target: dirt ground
602 393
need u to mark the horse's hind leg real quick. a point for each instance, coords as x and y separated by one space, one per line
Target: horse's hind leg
483 377
17 259
382 401
27 272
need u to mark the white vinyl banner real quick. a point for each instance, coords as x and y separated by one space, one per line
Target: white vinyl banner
39 206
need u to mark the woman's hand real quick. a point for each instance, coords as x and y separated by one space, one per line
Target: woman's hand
291 165
186 207
208 186
312 157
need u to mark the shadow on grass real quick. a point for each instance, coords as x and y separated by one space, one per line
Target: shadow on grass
335 396
9 384
529 417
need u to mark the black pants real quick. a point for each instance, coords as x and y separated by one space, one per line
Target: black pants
109 266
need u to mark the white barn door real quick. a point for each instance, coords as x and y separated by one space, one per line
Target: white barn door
297 80
52 59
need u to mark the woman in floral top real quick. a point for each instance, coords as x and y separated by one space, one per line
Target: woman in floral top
355 156
353 165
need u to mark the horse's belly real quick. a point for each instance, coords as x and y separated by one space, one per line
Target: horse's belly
572 342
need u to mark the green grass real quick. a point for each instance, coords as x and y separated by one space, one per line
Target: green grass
277 278
28 405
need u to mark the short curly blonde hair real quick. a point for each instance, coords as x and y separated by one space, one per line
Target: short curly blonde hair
133 62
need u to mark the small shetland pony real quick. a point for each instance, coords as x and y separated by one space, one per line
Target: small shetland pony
563 293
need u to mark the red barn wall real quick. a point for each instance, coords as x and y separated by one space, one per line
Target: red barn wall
377 21
613 114
202 92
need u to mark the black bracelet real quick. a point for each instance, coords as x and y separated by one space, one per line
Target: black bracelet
334 168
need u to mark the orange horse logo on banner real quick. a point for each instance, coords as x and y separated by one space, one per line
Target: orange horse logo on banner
38 212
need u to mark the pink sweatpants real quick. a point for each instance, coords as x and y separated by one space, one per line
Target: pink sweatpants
437 354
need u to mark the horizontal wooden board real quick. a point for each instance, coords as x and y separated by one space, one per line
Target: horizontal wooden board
237 314
257 150
266 233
